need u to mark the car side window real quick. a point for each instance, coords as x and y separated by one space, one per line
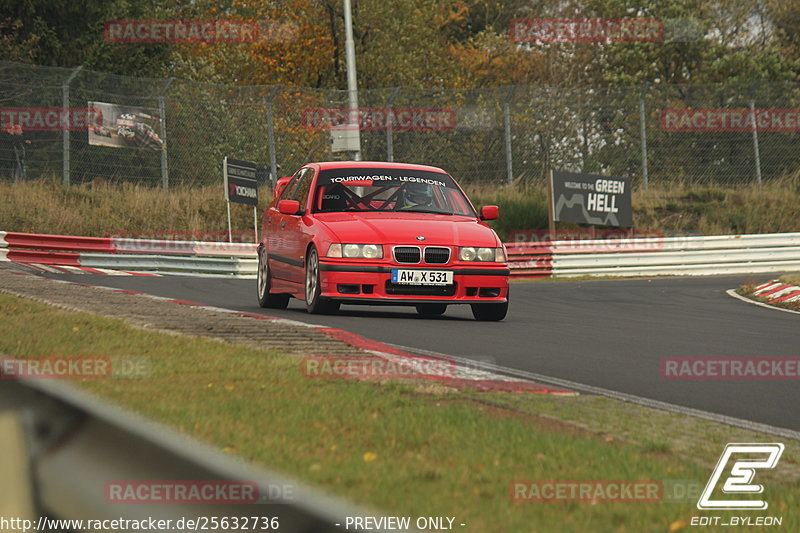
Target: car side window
300 192
292 186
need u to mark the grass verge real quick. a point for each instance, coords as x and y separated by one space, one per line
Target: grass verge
792 279
107 208
411 449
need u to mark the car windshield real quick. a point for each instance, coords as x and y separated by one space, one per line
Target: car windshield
408 190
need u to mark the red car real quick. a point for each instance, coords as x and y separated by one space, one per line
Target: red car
380 234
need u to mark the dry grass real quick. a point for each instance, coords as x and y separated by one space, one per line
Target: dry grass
44 206
774 207
102 209
671 210
792 279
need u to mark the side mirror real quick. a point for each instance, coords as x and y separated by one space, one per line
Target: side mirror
289 207
280 185
490 212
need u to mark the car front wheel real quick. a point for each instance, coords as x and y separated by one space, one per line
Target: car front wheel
490 312
315 304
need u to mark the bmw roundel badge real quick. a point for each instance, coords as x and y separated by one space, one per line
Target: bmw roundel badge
420 238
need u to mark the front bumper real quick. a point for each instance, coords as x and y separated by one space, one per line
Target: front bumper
370 283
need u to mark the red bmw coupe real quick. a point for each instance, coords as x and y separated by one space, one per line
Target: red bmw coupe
380 234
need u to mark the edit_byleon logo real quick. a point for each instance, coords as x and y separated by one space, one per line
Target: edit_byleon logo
746 459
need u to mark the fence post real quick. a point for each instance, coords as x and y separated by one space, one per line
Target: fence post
755 133
643 134
273 162
390 125
163 115
507 127
65 125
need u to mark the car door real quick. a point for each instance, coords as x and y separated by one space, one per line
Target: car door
278 244
295 235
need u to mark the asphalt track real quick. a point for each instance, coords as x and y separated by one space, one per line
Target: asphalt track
604 333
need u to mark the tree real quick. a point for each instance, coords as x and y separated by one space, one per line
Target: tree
66 33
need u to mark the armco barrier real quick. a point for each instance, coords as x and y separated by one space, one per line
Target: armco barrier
136 255
695 255
639 256
74 445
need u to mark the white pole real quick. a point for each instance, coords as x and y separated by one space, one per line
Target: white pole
227 198
755 140
350 58
255 223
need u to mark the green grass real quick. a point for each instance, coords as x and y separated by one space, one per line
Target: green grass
406 448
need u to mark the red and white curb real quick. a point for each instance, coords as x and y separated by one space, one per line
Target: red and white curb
776 291
58 254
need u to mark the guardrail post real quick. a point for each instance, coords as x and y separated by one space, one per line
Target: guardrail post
16 484
755 134
273 162
507 127
643 134
163 113
65 125
390 125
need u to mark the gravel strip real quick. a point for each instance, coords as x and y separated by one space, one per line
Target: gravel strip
172 317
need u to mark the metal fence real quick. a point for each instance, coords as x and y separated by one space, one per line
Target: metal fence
727 134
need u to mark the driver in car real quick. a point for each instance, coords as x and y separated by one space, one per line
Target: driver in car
417 195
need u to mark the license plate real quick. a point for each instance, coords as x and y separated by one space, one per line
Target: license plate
422 277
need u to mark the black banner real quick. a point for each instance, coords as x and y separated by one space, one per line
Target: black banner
241 185
591 199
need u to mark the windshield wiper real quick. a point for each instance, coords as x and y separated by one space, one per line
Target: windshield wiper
415 210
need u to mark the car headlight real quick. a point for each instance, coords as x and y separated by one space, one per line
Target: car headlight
356 251
487 255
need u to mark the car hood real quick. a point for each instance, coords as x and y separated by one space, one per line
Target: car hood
404 228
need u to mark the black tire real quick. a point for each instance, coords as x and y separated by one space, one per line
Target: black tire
315 304
431 309
491 312
265 299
